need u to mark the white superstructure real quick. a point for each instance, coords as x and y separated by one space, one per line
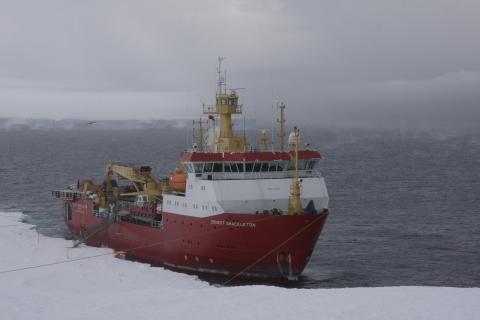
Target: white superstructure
244 192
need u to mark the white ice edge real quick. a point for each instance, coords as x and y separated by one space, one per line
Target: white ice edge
109 288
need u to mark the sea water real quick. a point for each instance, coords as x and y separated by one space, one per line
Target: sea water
405 203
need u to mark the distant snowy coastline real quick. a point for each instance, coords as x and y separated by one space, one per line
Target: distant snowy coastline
19 124
89 283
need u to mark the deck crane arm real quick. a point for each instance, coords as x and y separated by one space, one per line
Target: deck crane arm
141 177
134 174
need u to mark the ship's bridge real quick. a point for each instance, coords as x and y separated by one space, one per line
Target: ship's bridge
189 156
248 165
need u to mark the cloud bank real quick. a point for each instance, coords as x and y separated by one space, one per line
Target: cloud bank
328 60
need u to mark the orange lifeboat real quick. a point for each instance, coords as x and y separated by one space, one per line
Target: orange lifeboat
178 180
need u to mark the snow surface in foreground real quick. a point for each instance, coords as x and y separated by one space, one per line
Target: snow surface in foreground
109 288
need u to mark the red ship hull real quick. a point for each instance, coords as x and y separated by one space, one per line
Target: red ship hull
269 246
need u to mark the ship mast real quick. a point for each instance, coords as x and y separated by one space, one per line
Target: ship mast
294 203
281 145
221 80
199 134
263 141
226 105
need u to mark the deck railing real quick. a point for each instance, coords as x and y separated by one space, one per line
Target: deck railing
157 224
66 194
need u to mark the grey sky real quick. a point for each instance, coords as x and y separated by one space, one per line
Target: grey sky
331 60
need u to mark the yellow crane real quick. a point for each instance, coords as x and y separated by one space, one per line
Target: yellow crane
141 178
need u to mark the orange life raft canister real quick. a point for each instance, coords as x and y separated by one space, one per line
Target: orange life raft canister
178 180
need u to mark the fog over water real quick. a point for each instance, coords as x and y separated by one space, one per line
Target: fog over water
333 62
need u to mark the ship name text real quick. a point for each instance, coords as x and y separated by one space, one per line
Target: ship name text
238 224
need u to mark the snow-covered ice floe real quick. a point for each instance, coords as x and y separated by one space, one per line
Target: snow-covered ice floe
103 287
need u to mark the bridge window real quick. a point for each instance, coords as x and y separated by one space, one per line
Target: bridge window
264 167
272 167
306 164
188 167
234 167
217 167
208 167
311 164
198 167
303 164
